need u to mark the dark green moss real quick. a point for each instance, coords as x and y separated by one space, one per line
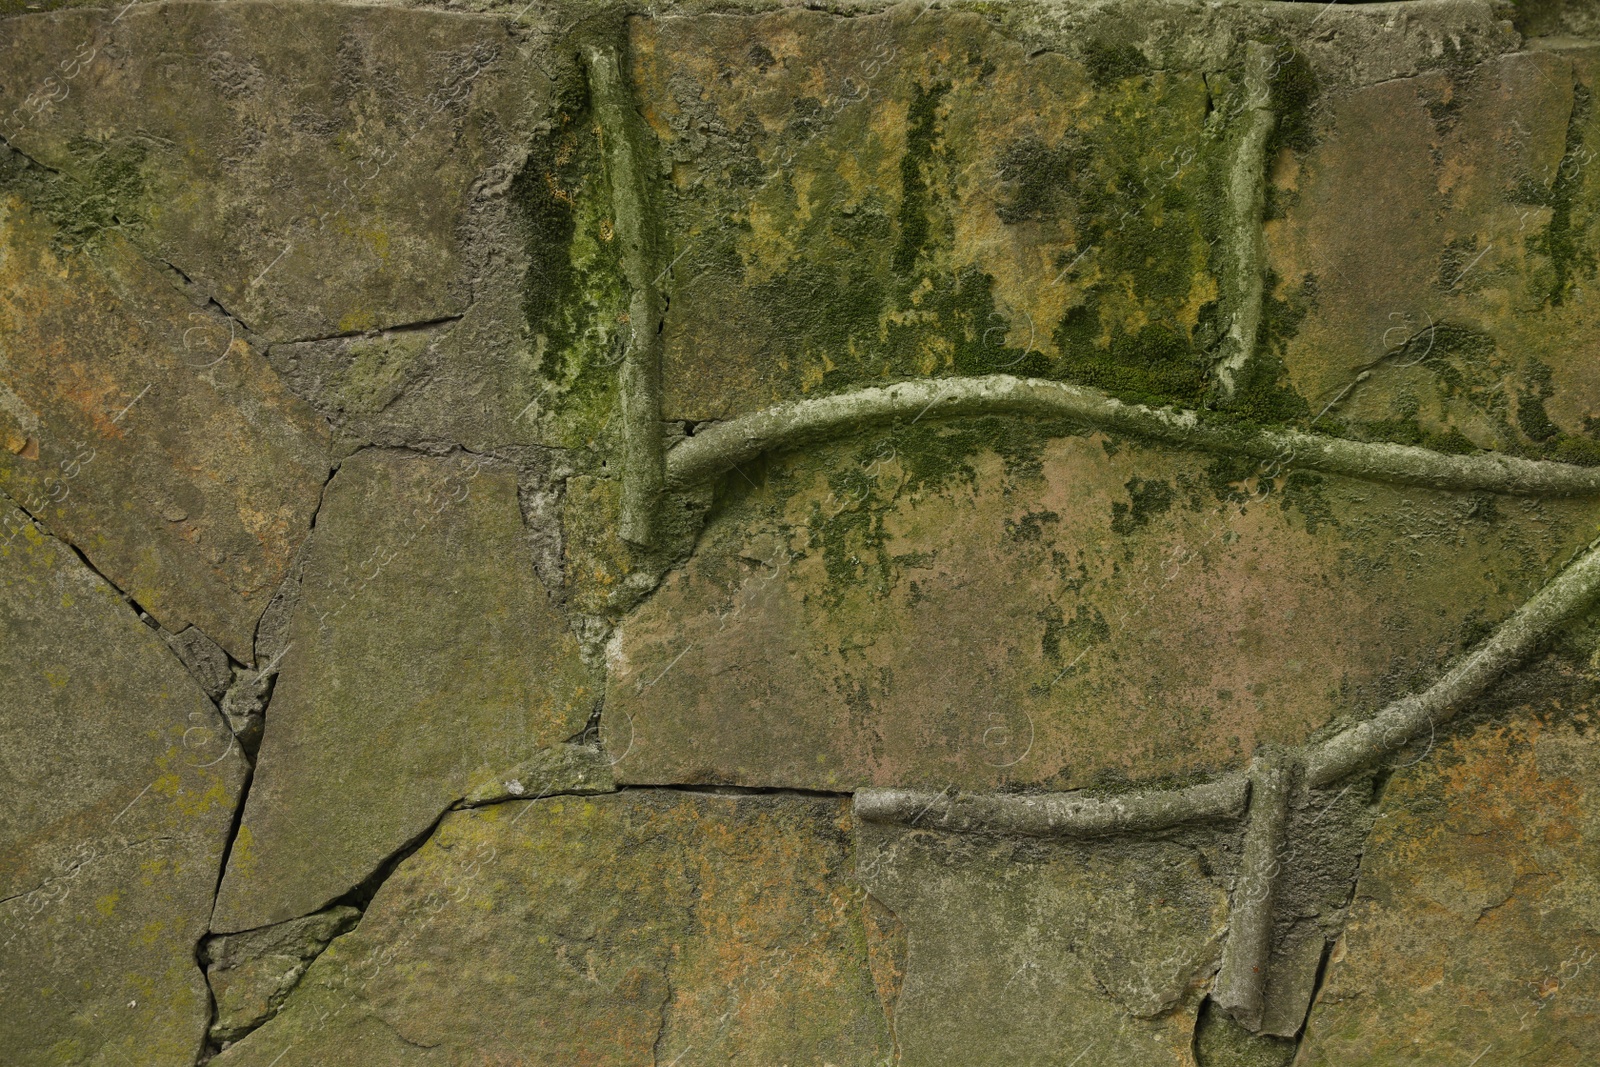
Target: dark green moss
1532 418
1263 395
1563 241
1087 627
1146 500
1038 180
1054 628
1158 365
104 190
922 134
1407 430
936 455
1226 475
1109 63
574 302
1293 92
1304 492
825 305
1031 526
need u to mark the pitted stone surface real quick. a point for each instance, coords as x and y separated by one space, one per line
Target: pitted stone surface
1477 915
1036 953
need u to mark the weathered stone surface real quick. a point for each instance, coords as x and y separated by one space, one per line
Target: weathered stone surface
1031 952
916 193
1434 247
145 430
118 784
309 165
621 930
423 655
1476 923
559 770
251 973
981 603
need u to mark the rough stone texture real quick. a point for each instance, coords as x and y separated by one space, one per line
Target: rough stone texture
1477 916
251 973
1037 953
619 930
975 604
423 655
913 196
1475 327
560 770
438 250
207 662
310 169
118 783
144 429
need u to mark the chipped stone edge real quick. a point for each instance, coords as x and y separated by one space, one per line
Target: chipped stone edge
718 448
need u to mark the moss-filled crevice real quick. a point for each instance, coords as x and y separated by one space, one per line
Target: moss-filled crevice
922 134
1563 242
574 302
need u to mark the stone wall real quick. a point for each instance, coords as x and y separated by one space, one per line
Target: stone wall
744 533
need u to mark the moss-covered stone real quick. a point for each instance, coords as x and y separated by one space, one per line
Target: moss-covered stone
118 785
1451 283
936 606
423 656
620 930
908 194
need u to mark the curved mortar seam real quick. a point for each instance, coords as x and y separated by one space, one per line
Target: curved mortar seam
718 448
643 444
1562 599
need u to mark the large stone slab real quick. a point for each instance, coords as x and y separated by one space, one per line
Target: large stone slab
1477 915
144 429
118 786
916 192
423 655
311 165
1433 246
1032 952
628 929
984 603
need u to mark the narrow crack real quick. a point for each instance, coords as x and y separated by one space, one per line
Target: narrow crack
419 326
